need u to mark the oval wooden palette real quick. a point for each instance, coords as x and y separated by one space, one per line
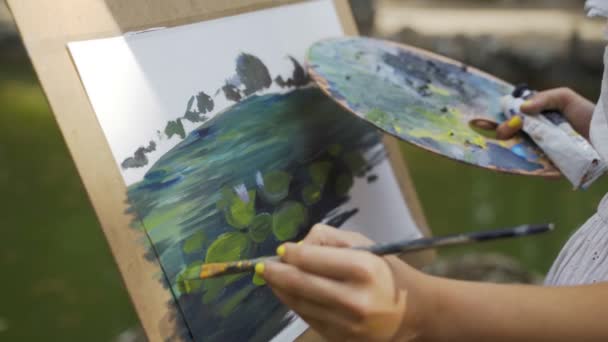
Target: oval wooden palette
424 99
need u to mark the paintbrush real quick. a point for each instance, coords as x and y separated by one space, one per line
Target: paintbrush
404 246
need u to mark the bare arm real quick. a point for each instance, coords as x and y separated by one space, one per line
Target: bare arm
351 295
469 311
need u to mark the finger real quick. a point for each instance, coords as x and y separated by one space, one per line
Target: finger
338 319
331 262
325 235
332 326
509 128
557 99
323 329
290 280
313 321
317 324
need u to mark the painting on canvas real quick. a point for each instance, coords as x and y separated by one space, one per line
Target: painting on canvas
227 151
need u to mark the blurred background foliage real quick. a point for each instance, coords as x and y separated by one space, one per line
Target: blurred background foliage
59 280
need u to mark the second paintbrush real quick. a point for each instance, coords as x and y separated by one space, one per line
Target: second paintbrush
225 268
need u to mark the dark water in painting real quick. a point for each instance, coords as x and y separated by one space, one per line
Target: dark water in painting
260 172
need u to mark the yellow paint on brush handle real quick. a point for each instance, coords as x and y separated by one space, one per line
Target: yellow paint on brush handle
232 267
221 268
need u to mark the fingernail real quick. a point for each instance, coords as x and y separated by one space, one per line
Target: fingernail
281 250
514 122
526 103
299 243
259 268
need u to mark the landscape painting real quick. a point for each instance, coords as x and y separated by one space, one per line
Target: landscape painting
228 150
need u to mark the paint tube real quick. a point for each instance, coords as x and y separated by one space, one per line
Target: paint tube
572 154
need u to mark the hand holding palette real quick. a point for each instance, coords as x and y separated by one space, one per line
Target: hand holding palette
425 99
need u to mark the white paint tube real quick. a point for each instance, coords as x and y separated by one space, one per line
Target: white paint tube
572 154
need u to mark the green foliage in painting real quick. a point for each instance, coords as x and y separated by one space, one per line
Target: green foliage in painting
285 223
227 247
355 162
226 197
175 128
343 184
319 172
378 116
186 280
288 219
194 243
260 227
276 186
229 305
240 213
311 194
335 173
212 289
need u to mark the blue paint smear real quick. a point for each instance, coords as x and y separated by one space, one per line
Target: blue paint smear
524 152
505 159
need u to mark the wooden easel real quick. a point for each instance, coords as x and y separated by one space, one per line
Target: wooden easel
46 27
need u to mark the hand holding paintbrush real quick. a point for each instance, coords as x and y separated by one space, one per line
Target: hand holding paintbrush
406 246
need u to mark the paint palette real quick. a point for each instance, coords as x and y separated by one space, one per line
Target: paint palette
428 100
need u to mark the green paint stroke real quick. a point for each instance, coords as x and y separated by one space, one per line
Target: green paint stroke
260 227
175 128
311 194
319 172
355 162
231 246
239 213
344 183
194 243
276 186
229 305
448 127
288 219
379 117
227 195
438 90
187 281
212 289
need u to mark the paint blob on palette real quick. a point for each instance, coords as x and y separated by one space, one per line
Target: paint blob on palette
425 99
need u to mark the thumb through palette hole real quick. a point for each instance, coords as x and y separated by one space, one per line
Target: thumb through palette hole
485 127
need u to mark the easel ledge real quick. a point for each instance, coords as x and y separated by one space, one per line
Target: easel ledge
46 27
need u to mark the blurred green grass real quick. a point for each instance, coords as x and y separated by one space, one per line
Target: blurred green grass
457 198
61 284
59 281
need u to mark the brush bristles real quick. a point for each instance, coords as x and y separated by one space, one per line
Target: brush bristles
222 268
